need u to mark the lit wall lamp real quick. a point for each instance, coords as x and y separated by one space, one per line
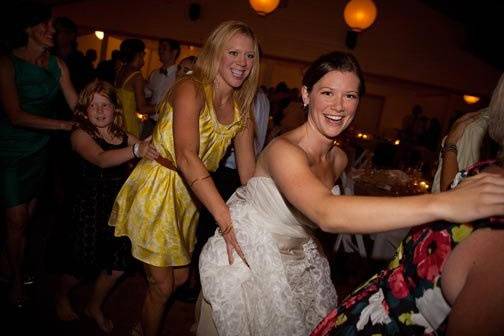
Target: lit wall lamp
359 15
99 34
471 99
263 7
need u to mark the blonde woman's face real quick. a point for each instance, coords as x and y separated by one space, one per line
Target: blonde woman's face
237 61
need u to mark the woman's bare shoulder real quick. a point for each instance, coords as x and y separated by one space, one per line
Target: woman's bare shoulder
282 146
187 88
281 152
474 273
478 253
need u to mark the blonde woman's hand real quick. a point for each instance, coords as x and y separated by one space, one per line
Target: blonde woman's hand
459 126
147 150
476 197
229 236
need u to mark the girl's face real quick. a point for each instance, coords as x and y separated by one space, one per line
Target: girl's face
100 111
237 60
42 34
333 102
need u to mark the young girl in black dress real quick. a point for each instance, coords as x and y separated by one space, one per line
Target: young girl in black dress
104 150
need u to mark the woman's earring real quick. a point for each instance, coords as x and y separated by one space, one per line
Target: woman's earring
306 107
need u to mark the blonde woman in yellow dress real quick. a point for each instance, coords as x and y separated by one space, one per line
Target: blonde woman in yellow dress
202 114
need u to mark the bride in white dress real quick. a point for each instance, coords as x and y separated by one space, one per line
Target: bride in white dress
286 287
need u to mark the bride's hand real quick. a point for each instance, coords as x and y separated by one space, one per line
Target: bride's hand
232 244
476 197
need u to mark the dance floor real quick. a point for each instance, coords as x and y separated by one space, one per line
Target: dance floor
124 304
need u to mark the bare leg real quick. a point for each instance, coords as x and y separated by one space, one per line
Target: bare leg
180 274
162 282
16 219
64 309
104 283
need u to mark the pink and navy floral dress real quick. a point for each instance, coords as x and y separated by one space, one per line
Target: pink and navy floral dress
406 298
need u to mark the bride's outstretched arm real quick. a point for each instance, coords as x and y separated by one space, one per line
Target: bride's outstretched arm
480 196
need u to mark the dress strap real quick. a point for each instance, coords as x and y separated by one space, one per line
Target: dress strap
128 78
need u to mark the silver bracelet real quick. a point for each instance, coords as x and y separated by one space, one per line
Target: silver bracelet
136 150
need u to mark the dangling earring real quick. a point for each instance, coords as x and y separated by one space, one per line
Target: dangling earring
306 107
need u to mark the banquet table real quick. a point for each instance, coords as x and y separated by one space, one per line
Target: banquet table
389 183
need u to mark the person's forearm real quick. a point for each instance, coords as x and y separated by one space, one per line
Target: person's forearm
354 214
114 157
70 94
199 181
246 172
449 169
29 120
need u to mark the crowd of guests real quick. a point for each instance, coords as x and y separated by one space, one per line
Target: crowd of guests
144 167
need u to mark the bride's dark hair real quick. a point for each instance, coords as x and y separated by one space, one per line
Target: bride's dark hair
339 61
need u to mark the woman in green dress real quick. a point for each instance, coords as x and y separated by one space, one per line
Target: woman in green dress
29 81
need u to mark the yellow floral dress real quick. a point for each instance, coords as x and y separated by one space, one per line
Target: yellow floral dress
155 208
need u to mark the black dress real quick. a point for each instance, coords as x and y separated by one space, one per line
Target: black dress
94 247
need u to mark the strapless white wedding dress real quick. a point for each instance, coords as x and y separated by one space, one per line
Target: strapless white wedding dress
288 288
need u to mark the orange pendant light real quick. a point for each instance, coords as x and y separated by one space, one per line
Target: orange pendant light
360 14
263 7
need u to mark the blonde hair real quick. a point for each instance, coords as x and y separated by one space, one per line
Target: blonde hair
86 98
496 115
207 65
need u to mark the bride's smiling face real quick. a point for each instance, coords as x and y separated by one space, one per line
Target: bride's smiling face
333 102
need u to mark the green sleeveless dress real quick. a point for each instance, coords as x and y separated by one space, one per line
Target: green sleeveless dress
23 151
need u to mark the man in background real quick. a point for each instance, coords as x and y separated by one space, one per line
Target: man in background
160 80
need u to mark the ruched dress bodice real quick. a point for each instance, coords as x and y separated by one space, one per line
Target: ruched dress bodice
280 217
